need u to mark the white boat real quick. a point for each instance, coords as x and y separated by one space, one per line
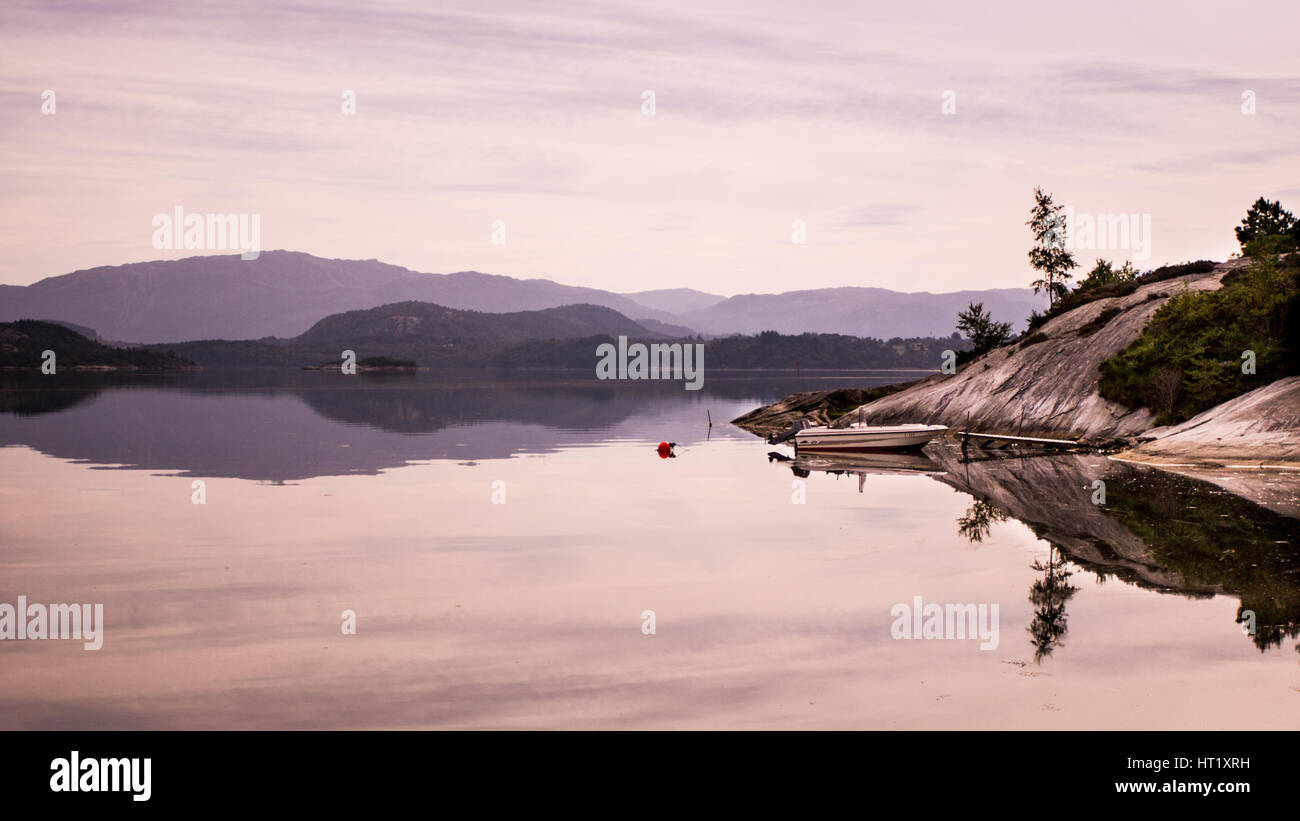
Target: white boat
860 438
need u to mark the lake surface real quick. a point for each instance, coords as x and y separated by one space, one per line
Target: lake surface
500 539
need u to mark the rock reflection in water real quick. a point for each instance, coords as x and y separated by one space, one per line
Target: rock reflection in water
1156 529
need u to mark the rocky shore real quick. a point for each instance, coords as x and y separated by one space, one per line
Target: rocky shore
1047 385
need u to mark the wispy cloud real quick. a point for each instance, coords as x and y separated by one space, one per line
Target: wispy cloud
532 114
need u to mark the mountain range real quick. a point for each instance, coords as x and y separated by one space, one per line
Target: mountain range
283 293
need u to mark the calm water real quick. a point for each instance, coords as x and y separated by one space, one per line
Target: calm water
376 494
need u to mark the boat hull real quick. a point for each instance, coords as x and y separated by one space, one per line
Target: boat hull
838 448
865 439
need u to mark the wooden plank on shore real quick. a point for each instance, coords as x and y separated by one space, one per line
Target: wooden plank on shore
997 437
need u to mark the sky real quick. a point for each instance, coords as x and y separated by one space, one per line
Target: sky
533 116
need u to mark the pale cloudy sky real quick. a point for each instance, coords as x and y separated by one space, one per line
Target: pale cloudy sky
531 113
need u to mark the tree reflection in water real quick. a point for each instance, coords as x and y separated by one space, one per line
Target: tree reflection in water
974 525
1049 596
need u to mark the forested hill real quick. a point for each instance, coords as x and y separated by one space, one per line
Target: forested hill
566 337
23 345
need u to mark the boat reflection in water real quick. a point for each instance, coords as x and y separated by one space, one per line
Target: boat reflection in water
914 463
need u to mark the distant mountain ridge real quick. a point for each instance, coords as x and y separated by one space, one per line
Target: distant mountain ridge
283 293
675 300
876 312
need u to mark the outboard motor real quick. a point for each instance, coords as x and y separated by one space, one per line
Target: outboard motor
789 433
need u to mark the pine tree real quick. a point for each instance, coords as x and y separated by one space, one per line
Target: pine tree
984 333
1266 218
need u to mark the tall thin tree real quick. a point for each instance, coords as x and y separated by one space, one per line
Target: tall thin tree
1049 255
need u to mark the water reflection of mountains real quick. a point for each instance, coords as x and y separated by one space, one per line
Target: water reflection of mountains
1155 529
291 425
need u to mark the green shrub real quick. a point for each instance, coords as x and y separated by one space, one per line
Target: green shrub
1201 266
1189 357
1105 283
1104 273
